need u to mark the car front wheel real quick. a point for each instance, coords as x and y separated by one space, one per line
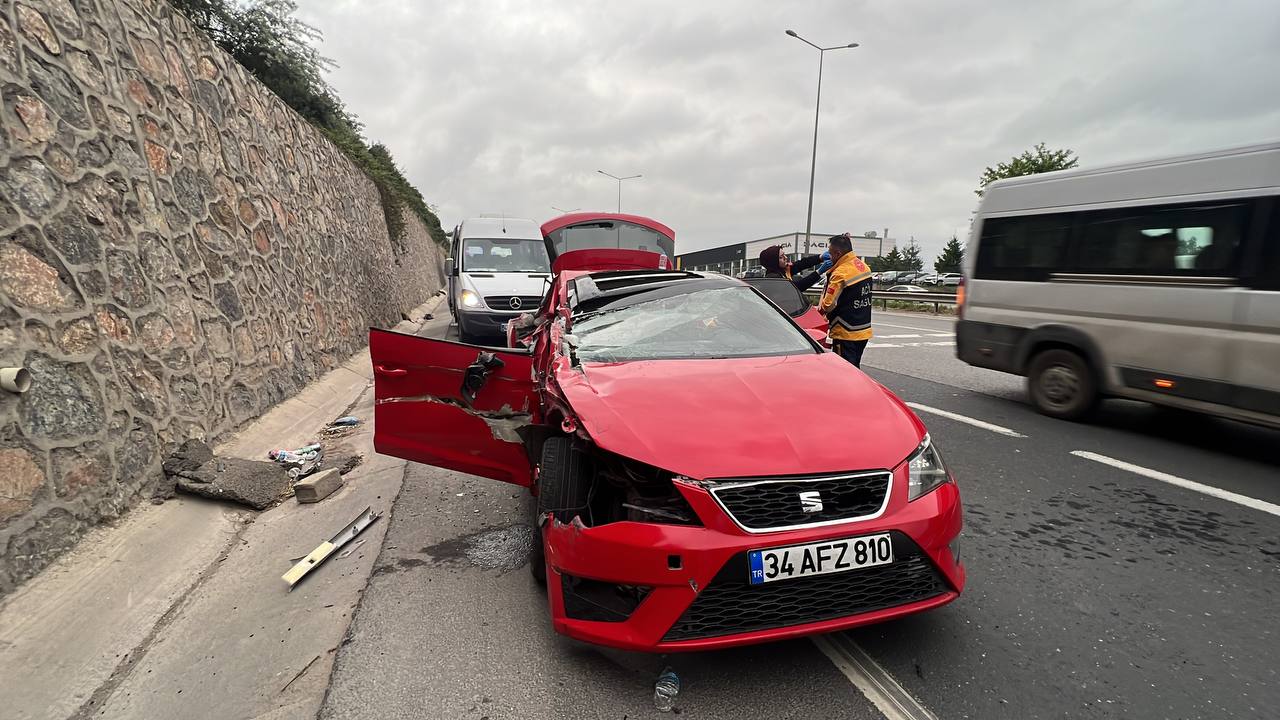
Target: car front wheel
1061 384
562 494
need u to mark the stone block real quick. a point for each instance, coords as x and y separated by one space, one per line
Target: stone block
21 478
318 486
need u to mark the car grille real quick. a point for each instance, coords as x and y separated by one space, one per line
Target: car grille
760 505
528 303
731 605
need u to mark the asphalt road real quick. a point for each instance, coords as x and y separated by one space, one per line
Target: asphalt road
1094 591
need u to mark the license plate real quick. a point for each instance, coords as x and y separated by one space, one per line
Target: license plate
820 558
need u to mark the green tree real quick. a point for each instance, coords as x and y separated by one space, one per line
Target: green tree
1038 159
893 261
911 259
951 257
266 38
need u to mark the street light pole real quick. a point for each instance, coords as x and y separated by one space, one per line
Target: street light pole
813 163
619 179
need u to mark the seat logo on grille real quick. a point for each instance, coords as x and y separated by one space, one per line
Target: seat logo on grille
811 501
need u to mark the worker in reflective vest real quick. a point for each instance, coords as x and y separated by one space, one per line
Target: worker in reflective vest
847 301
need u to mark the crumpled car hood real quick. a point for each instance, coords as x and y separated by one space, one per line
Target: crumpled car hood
742 417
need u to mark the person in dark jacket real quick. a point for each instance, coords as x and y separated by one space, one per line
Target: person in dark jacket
776 264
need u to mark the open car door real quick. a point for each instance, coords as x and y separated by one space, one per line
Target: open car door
455 406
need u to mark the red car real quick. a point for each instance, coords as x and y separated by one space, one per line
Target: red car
788 298
686 499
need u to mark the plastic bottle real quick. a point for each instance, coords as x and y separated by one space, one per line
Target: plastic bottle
666 690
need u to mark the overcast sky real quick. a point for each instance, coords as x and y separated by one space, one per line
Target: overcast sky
513 106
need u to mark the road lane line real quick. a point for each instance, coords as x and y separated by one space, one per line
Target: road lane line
895 337
875 323
967 420
873 681
1192 485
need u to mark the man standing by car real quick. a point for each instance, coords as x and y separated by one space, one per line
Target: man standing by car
847 301
776 264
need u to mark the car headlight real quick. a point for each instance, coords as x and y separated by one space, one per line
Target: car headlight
925 470
469 298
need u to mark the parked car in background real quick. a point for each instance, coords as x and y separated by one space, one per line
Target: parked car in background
950 279
907 278
888 276
927 279
498 267
907 289
1155 280
686 499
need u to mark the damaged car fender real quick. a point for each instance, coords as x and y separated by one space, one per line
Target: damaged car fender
430 407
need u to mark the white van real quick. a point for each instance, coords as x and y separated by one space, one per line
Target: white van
1156 281
498 268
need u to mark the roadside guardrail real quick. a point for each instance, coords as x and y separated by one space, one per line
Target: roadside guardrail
936 299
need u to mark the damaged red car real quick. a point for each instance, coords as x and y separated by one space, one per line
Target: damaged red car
686 497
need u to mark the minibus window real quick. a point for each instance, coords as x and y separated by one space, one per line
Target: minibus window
1023 248
1163 241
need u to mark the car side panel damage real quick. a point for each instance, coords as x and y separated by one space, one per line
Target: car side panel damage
443 404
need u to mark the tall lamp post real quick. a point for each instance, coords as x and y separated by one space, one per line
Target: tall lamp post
813 164
619 179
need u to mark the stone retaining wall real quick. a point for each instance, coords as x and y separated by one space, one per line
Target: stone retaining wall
179 251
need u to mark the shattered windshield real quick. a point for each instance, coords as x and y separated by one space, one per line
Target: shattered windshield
708 323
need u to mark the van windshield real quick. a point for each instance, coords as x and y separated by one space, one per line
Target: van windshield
504 255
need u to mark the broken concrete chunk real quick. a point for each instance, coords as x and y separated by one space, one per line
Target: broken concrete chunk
189 456
250 482
318 486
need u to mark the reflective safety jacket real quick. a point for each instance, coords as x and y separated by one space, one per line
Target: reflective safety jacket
847 301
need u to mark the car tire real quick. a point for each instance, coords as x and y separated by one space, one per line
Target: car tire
1062 385
562 493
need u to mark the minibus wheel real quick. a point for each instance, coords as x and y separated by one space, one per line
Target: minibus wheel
1061 384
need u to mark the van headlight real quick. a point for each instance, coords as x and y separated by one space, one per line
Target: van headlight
469 298
925 470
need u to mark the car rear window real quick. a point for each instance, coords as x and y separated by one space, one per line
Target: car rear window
725 322
611 234
783 293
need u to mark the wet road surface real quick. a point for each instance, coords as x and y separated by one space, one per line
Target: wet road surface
1094 592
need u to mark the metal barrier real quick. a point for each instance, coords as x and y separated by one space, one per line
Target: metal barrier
936 299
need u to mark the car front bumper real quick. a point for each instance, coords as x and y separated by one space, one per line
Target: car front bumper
694 579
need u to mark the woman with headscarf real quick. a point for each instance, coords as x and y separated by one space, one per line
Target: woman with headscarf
776 264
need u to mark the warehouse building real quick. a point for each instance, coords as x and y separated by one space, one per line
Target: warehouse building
738 258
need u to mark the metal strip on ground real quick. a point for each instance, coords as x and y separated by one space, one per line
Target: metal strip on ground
1191 485
872 680
967 420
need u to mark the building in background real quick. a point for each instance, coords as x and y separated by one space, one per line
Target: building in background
737 258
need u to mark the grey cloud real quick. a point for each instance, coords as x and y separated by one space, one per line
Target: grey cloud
512 106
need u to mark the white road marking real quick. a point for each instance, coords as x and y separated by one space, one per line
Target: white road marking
1209 490
948 343
873 681
967 420
877 323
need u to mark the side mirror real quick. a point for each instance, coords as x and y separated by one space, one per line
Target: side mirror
452 266
477 373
